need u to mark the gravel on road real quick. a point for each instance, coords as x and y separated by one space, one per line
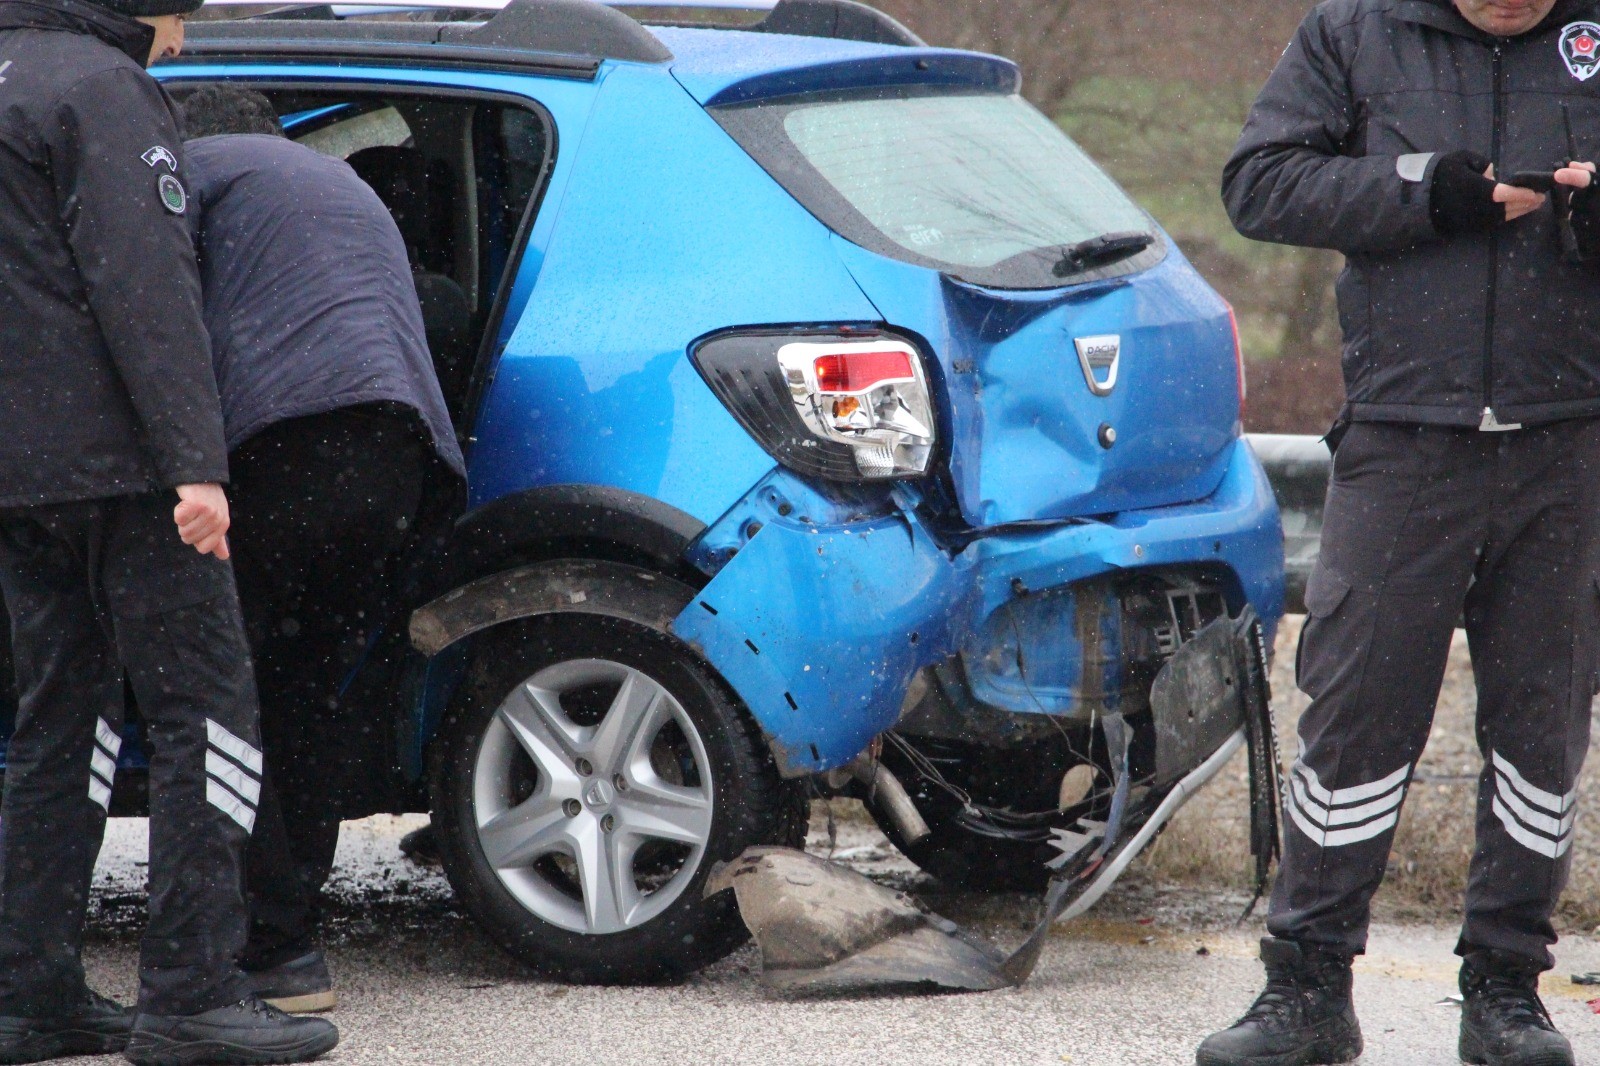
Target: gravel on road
1137 983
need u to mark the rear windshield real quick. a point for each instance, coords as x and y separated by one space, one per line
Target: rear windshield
980 186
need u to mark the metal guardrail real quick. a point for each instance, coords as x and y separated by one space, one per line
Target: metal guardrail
1298 468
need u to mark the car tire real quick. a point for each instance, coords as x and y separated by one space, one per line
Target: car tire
707 748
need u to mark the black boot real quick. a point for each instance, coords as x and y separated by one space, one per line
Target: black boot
245 1034
96 1026
1304 1017
1503 1022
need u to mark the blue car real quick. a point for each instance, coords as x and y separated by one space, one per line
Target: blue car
835 426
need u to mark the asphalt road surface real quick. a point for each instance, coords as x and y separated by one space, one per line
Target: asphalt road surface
1137 983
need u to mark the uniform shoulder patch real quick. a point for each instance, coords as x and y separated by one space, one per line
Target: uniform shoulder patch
159 154
173 195
1580 49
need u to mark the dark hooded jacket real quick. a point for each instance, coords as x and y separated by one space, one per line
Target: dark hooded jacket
309 298
1339 152
105 370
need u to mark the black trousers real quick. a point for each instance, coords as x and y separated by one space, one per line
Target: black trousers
324 509
1425 526
94 590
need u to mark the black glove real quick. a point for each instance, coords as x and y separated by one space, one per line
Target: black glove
1462 200
1584 219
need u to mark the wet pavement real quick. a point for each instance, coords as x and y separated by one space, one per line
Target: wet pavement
1134 984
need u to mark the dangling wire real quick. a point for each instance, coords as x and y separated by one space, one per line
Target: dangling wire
1266 769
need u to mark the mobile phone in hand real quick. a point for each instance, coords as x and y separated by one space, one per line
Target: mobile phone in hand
1537 180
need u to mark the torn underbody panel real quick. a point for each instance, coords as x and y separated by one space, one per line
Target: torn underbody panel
821 926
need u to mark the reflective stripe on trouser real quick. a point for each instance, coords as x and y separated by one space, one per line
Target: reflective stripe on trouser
1423 526
103 762
75 578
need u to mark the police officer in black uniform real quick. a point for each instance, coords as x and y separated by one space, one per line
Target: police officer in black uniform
113 554
1436 144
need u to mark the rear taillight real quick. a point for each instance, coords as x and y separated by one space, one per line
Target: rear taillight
1238 358
843 407
869 396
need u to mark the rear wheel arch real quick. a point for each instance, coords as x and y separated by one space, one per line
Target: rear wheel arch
551 522
543 526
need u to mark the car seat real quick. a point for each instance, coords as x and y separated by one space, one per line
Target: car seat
399 175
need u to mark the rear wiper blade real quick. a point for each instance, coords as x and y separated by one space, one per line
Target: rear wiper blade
1101 251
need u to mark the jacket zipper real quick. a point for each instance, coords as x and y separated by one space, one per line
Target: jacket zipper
1489 419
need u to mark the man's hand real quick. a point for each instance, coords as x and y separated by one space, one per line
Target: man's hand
1518 201
1467 199
202 518
1581 226
1578 175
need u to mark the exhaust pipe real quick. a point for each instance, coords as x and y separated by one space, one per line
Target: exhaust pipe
885 792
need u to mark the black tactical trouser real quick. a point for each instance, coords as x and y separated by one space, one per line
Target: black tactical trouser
96 589
323 508
1424 526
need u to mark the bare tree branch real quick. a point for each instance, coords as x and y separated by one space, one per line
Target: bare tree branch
1056 42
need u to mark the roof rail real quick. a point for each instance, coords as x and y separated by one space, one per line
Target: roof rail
581 28
575 27
843 20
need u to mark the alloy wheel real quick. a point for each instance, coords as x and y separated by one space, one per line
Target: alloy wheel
593 797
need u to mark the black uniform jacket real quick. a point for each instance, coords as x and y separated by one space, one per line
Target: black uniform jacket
106 386
1339 152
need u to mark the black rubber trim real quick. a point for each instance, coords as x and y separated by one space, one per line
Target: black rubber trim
561 586
580 27
561 520
539 27
366 53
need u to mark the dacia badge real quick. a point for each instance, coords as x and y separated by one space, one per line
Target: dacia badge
1100 357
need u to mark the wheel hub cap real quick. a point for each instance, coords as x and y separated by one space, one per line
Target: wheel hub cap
599 795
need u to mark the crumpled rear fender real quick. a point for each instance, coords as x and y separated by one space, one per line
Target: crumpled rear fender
820 628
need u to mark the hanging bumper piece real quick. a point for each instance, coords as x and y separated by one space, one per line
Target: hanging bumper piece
824 927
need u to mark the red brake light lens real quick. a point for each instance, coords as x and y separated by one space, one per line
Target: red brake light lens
859 371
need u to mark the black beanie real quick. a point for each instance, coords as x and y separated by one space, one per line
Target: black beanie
149 8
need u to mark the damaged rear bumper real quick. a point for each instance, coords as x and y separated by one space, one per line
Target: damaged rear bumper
1209 701
822 618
